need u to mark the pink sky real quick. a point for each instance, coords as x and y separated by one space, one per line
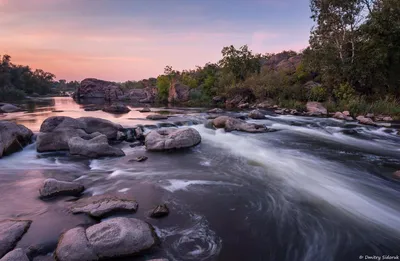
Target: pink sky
74 39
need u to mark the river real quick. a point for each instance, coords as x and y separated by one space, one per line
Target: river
317 189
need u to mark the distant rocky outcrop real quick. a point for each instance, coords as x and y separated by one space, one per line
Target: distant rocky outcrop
13 137
178 93
145 95
286 62
95 88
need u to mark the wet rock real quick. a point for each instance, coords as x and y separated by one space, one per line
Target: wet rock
156 117
159 211
316 109
93 148
116 109
257 115
145 95
11 231
245 97
93 109
209 124
232 124
294 112
13 137
15 255
387 118
145 109
346 113
9 108
339 115
58 139
365 121
74 246
282 111
53 187
167 139
216 110
218 99
139 159
104 205
120 237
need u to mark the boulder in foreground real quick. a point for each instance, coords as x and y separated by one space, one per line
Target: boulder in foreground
15 255
113 238
167 139
11 231
93 148
13 137
53 187
103 206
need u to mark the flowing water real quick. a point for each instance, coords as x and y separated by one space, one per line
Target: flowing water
317 189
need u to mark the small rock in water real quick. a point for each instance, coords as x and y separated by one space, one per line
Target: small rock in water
365 121
167 139
156 117
387 118
216 110
15 255
11 231
139 159
146 109
257 115
104 205
116 108
8 108
53 187
160 211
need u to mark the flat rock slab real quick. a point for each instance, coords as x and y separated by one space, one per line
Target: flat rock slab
53 187
15 255
113 238
11 231
103 206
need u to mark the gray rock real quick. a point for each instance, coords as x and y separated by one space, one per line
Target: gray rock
60 122
8 108
13 137
209 124
232 124
103 206
58 139
316 109
53 187
366 121
146 109
346 113
116 109
119 237
11 231
256 114
166 139
156 117
15 255
93 148
74 246
215 110
265 105
136 144
139 159
340 116
159 211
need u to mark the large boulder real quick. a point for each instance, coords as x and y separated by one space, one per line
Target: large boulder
58 139
13 137
8 108
104 205
95 88
145 95
94 148
316 109
256 114
53 187
11 231
232 124
15 255
106 127
113 238
178 93
60 122
167 139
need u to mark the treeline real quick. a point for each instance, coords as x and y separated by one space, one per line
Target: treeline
18 81
352 63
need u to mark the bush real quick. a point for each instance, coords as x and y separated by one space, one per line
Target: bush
344 92
318 93
11 94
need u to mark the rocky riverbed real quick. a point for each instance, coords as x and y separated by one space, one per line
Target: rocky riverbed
193 184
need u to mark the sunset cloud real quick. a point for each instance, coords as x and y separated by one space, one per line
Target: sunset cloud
130 40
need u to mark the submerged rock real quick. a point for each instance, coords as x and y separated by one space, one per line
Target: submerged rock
159 211
256 114
15 255
167 139
116 109
366 121
156 117
316 109
103 206
113 238
11 231
13 137
93 148
53 187
232 124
